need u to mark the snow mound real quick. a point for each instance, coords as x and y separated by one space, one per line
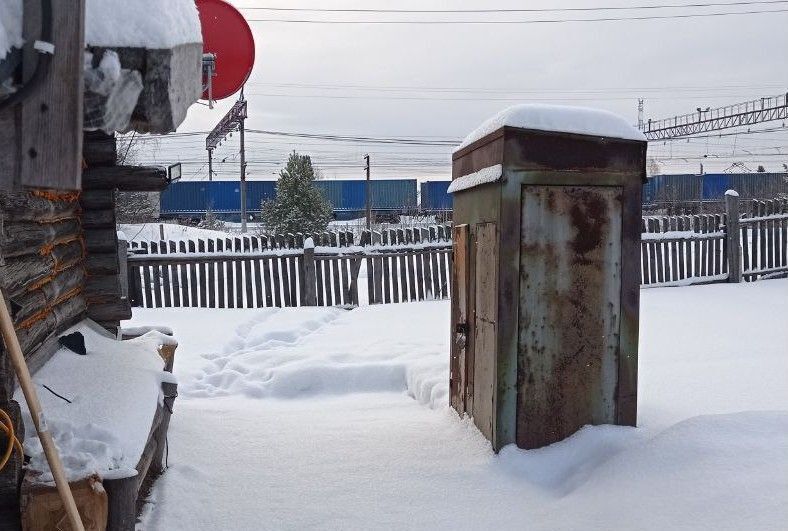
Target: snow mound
557 118
141 23
10 26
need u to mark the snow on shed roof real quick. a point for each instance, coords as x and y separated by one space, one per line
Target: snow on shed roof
557 118
10 26
141 23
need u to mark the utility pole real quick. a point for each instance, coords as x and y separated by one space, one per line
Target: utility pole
210 165
241 121
369 196
641 123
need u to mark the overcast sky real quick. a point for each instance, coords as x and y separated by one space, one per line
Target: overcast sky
440 81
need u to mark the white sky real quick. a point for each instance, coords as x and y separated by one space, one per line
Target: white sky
676 65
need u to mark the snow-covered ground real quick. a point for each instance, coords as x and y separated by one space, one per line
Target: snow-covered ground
332 419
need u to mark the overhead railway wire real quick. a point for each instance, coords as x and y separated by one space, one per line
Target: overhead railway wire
632 18
518 10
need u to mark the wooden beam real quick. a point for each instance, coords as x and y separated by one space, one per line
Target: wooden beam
51 118
125 178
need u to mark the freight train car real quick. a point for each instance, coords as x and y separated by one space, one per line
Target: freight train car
390 197
192 199
435 197
688 188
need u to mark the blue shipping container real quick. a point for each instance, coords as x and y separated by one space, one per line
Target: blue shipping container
435 197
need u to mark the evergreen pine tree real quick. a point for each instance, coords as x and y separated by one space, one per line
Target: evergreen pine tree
299 206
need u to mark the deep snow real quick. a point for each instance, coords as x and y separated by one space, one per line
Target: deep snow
306 418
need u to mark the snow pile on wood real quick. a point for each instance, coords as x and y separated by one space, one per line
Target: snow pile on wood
113 391
10 26
557 118
141 23
490 174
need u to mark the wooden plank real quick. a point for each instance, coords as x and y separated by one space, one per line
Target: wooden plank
419 274
403 276
378 279
344 266
156 297
308 275
411 277
257 280
355 267
659 250
230 274
335 279
175 279
292 267
183 279
319 283
762 236
276 282
326 265
239 280
211 284
459 321
283 267
770 233
370 281
445 268
436 281
203 276
426 267
395 297
386 274
50 122
248 266
221 289
268 285
194 292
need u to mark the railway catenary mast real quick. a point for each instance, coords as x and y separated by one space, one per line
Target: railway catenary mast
703 120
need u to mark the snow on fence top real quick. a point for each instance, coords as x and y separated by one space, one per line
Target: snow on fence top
557 118
10 26
141 23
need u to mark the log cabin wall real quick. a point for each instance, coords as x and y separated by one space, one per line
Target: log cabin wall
42 272
106 303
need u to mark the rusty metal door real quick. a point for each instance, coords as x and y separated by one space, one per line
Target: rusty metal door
459 319
485 354
570 309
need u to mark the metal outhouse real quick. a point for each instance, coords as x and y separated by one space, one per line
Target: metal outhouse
546 274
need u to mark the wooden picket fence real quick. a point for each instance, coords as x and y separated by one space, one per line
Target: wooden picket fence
681 250
197 274
747 242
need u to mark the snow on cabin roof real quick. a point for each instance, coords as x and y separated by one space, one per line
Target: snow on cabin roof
141 23
10 26
557 118
118 23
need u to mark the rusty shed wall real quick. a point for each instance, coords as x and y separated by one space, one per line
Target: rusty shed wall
550 159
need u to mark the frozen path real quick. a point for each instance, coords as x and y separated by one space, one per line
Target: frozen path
298 419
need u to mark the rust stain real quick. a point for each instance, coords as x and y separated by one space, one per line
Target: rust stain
52 195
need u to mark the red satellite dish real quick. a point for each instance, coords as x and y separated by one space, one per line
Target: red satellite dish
226 34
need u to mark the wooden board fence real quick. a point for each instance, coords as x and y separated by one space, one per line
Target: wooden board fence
404 265
198 274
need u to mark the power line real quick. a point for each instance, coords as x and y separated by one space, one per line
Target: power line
513 10
531 21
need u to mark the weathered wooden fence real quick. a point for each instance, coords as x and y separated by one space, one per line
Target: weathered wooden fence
198 274
747 242
343 238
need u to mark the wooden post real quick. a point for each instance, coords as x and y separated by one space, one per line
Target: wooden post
310 278
733 236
